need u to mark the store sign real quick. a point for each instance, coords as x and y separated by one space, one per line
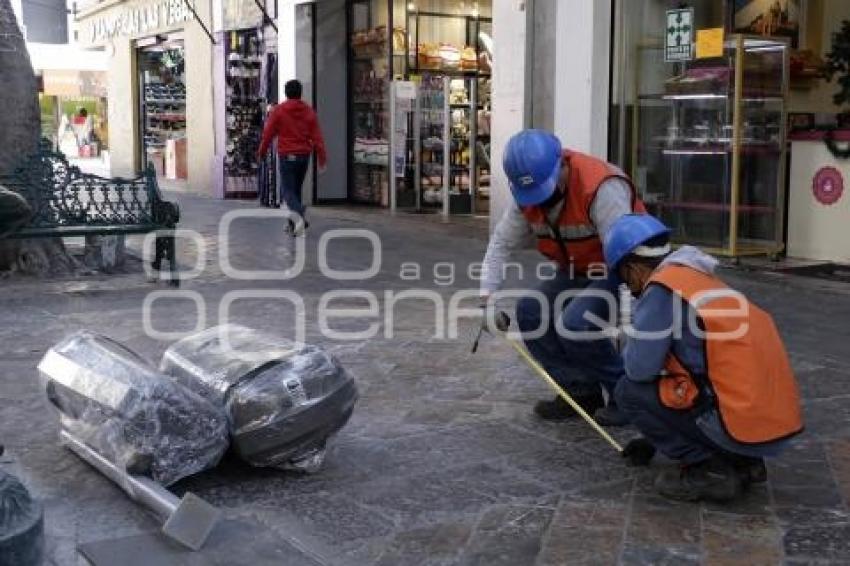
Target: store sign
135 19
679 36
828 185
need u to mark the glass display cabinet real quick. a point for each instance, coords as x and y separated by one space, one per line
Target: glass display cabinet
709 153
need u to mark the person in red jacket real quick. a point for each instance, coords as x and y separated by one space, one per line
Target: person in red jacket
296 128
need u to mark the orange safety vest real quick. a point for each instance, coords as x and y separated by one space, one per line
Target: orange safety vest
750 375
578 241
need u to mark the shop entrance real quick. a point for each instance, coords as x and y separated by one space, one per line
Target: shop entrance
162 111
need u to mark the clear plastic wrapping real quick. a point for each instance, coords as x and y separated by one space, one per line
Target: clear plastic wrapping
21 524
282 399
142 421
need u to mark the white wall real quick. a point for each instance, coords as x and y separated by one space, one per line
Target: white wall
200 123
123 115
286 40
573 101
509 93
582 51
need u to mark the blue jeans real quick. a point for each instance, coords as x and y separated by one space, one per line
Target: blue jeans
578 365
293 169
675 433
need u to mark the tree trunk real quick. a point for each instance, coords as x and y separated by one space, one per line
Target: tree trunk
19 132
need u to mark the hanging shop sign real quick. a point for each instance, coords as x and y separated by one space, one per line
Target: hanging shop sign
828 185
679 36
135 19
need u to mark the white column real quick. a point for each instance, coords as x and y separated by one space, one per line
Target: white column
286 40
508 96
582 48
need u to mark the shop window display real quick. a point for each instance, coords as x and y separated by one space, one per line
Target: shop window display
75 125
703 139
163 114
244 111
445 49
371 45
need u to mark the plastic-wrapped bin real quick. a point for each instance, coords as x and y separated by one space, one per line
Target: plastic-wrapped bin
21 524
283 399
121 406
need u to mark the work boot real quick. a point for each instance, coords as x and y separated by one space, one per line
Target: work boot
714 479
751 470
558 410
610 415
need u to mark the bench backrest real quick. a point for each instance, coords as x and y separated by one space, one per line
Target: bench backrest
62 195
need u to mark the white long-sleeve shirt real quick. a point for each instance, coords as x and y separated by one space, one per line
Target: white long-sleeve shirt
613 200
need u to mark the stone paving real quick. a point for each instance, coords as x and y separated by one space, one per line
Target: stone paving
443 462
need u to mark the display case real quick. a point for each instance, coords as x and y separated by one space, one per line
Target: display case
710 149
375 52
450 52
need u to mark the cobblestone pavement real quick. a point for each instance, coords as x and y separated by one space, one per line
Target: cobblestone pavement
443 462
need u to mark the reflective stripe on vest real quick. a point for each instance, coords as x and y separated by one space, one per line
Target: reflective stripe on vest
577 232
579 237
746 363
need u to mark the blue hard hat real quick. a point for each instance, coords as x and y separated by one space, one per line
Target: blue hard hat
629 232
532 162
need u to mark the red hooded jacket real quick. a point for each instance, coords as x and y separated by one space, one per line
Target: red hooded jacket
296 128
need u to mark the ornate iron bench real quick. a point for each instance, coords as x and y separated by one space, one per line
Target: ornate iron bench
67 202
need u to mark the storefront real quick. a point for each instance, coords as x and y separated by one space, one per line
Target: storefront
715 112
160 88
419 105
245 86
189 85
161 62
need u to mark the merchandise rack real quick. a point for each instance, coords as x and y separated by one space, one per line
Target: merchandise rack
463 179
373 118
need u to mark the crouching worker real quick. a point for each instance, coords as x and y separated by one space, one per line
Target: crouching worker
567 201
708 381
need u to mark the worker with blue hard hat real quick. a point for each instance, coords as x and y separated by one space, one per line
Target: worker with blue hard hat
707 378
566 201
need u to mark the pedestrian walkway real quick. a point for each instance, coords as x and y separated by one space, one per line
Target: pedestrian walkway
443 461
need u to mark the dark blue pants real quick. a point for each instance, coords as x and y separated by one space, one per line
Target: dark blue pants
675 433
578 365
293 169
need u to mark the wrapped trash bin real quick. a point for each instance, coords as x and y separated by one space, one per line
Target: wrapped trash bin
282 399
21 524
122 407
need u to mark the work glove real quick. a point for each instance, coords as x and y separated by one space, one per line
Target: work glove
498 322
638 452
490 325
